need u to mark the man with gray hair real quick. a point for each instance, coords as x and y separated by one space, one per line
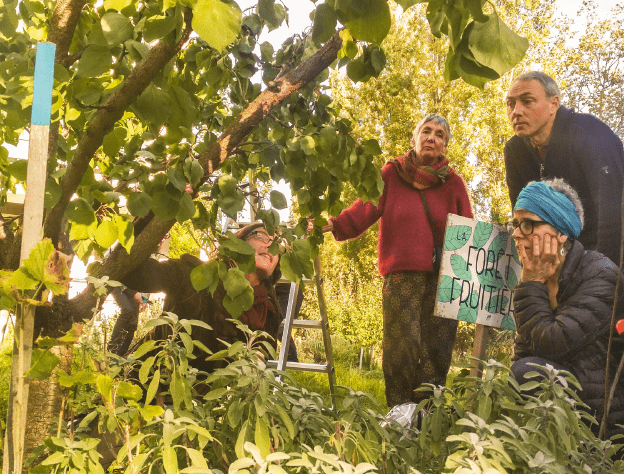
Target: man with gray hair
554 141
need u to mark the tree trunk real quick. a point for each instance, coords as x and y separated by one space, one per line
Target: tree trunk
44 401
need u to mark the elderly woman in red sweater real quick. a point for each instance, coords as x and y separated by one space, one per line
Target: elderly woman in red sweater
417 346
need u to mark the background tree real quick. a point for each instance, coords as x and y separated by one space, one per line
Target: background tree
591 73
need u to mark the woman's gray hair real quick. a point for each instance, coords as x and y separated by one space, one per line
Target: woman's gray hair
437 119
558 184
550 86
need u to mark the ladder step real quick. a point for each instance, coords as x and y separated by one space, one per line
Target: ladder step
303 280
303 366
307 323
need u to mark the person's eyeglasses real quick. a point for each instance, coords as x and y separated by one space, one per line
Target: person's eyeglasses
262 237
526 226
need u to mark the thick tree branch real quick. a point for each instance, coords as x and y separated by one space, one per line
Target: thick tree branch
113 109
260 108
62 26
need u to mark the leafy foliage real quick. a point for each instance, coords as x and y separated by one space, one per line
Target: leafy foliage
249 421
43 272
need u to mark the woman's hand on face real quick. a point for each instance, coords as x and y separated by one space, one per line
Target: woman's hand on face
543 261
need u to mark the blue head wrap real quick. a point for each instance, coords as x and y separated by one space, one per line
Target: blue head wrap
552 206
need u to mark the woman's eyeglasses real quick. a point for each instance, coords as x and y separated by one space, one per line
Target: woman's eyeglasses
262 237
526 226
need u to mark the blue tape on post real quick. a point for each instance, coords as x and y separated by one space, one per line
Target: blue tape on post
44 77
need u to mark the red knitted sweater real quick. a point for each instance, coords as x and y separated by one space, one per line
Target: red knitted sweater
405 240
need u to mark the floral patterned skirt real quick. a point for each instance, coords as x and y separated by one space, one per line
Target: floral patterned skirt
417 346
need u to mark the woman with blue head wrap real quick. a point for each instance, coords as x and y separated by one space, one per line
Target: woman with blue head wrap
563 304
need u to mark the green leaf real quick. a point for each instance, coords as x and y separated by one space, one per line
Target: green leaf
193 171
153 387
372 26
125 231
145 369
82 218
230 199
94 61
497 303
307 145
53 192
457 236
144 348
460 268
104 386
498 247
235 282
158 26
43 362
22 280
150 411
129 391
510 277
491 278
205 276
278 200
476 10
154 105
117 28
466 311
324 23
482 233
139 204
18 169
106 234
170 460
449 290
266 10
371 147
495 45
240 440
38 258
187 208
217 23
262 438
508 323
164 206
117 5
242 302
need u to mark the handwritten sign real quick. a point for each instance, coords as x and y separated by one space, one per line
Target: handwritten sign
480 268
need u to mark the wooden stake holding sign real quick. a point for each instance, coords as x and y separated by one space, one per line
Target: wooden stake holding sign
479 270
33 220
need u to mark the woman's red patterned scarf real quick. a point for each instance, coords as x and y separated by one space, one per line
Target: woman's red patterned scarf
422 177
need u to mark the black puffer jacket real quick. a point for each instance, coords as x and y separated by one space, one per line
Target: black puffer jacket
576 333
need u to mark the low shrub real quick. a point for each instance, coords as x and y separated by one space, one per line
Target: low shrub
251 421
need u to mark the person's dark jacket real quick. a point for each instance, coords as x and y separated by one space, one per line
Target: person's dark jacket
173 277
575 334
588 155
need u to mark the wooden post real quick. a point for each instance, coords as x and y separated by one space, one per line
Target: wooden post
479 348
33 220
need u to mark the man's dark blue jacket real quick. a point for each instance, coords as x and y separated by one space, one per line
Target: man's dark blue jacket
588 155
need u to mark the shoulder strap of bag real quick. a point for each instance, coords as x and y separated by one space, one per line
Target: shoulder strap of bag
431 224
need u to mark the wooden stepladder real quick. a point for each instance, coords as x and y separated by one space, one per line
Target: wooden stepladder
290 322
